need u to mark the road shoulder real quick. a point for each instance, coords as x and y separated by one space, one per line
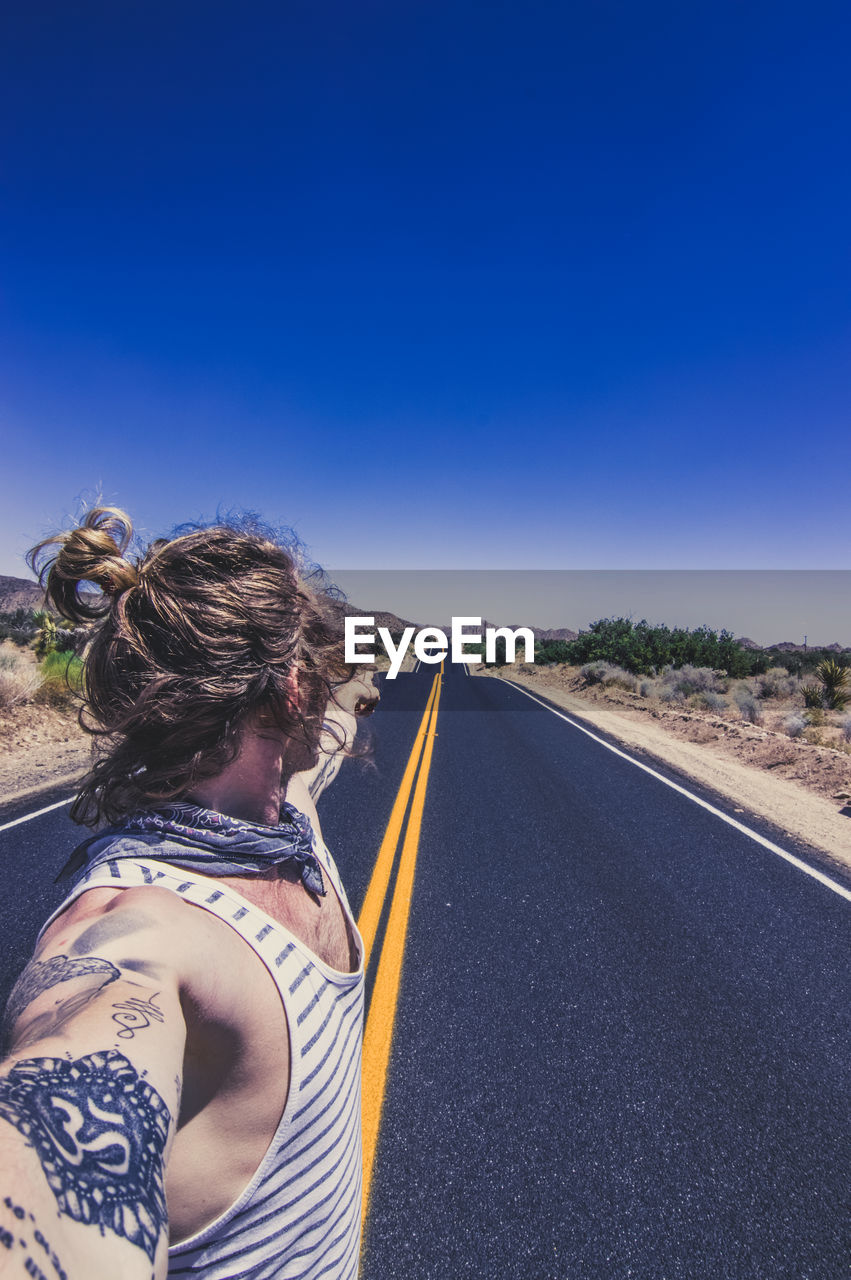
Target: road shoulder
822 824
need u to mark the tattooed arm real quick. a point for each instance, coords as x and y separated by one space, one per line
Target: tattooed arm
94 1037
349 703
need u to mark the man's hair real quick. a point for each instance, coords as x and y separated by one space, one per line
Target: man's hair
189 640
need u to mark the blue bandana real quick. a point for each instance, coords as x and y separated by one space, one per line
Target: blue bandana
200 840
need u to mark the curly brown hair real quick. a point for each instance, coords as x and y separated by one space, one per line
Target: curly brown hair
189 640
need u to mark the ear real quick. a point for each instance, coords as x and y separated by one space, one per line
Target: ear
291 686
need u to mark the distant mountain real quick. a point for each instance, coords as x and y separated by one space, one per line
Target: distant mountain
747 643
19 593
540 633
394 624
787 646
555 633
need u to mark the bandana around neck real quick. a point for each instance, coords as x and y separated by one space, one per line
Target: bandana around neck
201 840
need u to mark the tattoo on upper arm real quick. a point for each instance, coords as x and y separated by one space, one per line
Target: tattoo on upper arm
135 1014
41 975
100 1132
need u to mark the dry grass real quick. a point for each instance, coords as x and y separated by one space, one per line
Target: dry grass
20 677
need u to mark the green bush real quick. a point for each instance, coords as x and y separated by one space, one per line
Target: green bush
62 679
547 651
643 649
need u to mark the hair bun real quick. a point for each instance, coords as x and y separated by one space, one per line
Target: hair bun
93 552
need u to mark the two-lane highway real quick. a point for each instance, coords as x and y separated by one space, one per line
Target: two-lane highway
621 1042
619 1025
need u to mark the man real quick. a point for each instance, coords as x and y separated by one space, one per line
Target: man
181 1094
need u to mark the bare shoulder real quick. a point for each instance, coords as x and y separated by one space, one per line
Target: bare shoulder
133 920
150 931
125 908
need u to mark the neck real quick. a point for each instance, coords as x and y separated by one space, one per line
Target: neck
253 785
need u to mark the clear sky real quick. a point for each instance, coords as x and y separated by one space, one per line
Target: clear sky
544 285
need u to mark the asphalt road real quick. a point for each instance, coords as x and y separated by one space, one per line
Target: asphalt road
621 1041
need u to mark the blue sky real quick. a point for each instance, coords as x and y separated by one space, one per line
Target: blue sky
550 285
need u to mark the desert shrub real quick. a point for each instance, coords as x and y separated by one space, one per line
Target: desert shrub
812 695
621 679
775 683
702 685
647 688
749 708
804 663
18 626
607 673
668 693
845 729
61 679
710 701
19 679
814 715
835 687
690 679
794 726
66 640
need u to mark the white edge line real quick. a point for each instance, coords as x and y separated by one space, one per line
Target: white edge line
740 826
37 814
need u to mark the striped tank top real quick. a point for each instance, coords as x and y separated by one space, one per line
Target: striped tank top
299 1217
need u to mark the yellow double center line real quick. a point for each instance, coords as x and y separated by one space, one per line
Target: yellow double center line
378 1033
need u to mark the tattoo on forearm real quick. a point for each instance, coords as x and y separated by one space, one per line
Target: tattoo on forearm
42 975
100 1132
36 1251
134 1015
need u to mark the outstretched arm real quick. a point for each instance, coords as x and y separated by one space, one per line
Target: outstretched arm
349 703
89 1095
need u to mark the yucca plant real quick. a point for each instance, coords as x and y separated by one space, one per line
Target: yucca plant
46 639
834 682
813 696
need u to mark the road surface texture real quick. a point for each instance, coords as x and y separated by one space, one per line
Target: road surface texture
619 1024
